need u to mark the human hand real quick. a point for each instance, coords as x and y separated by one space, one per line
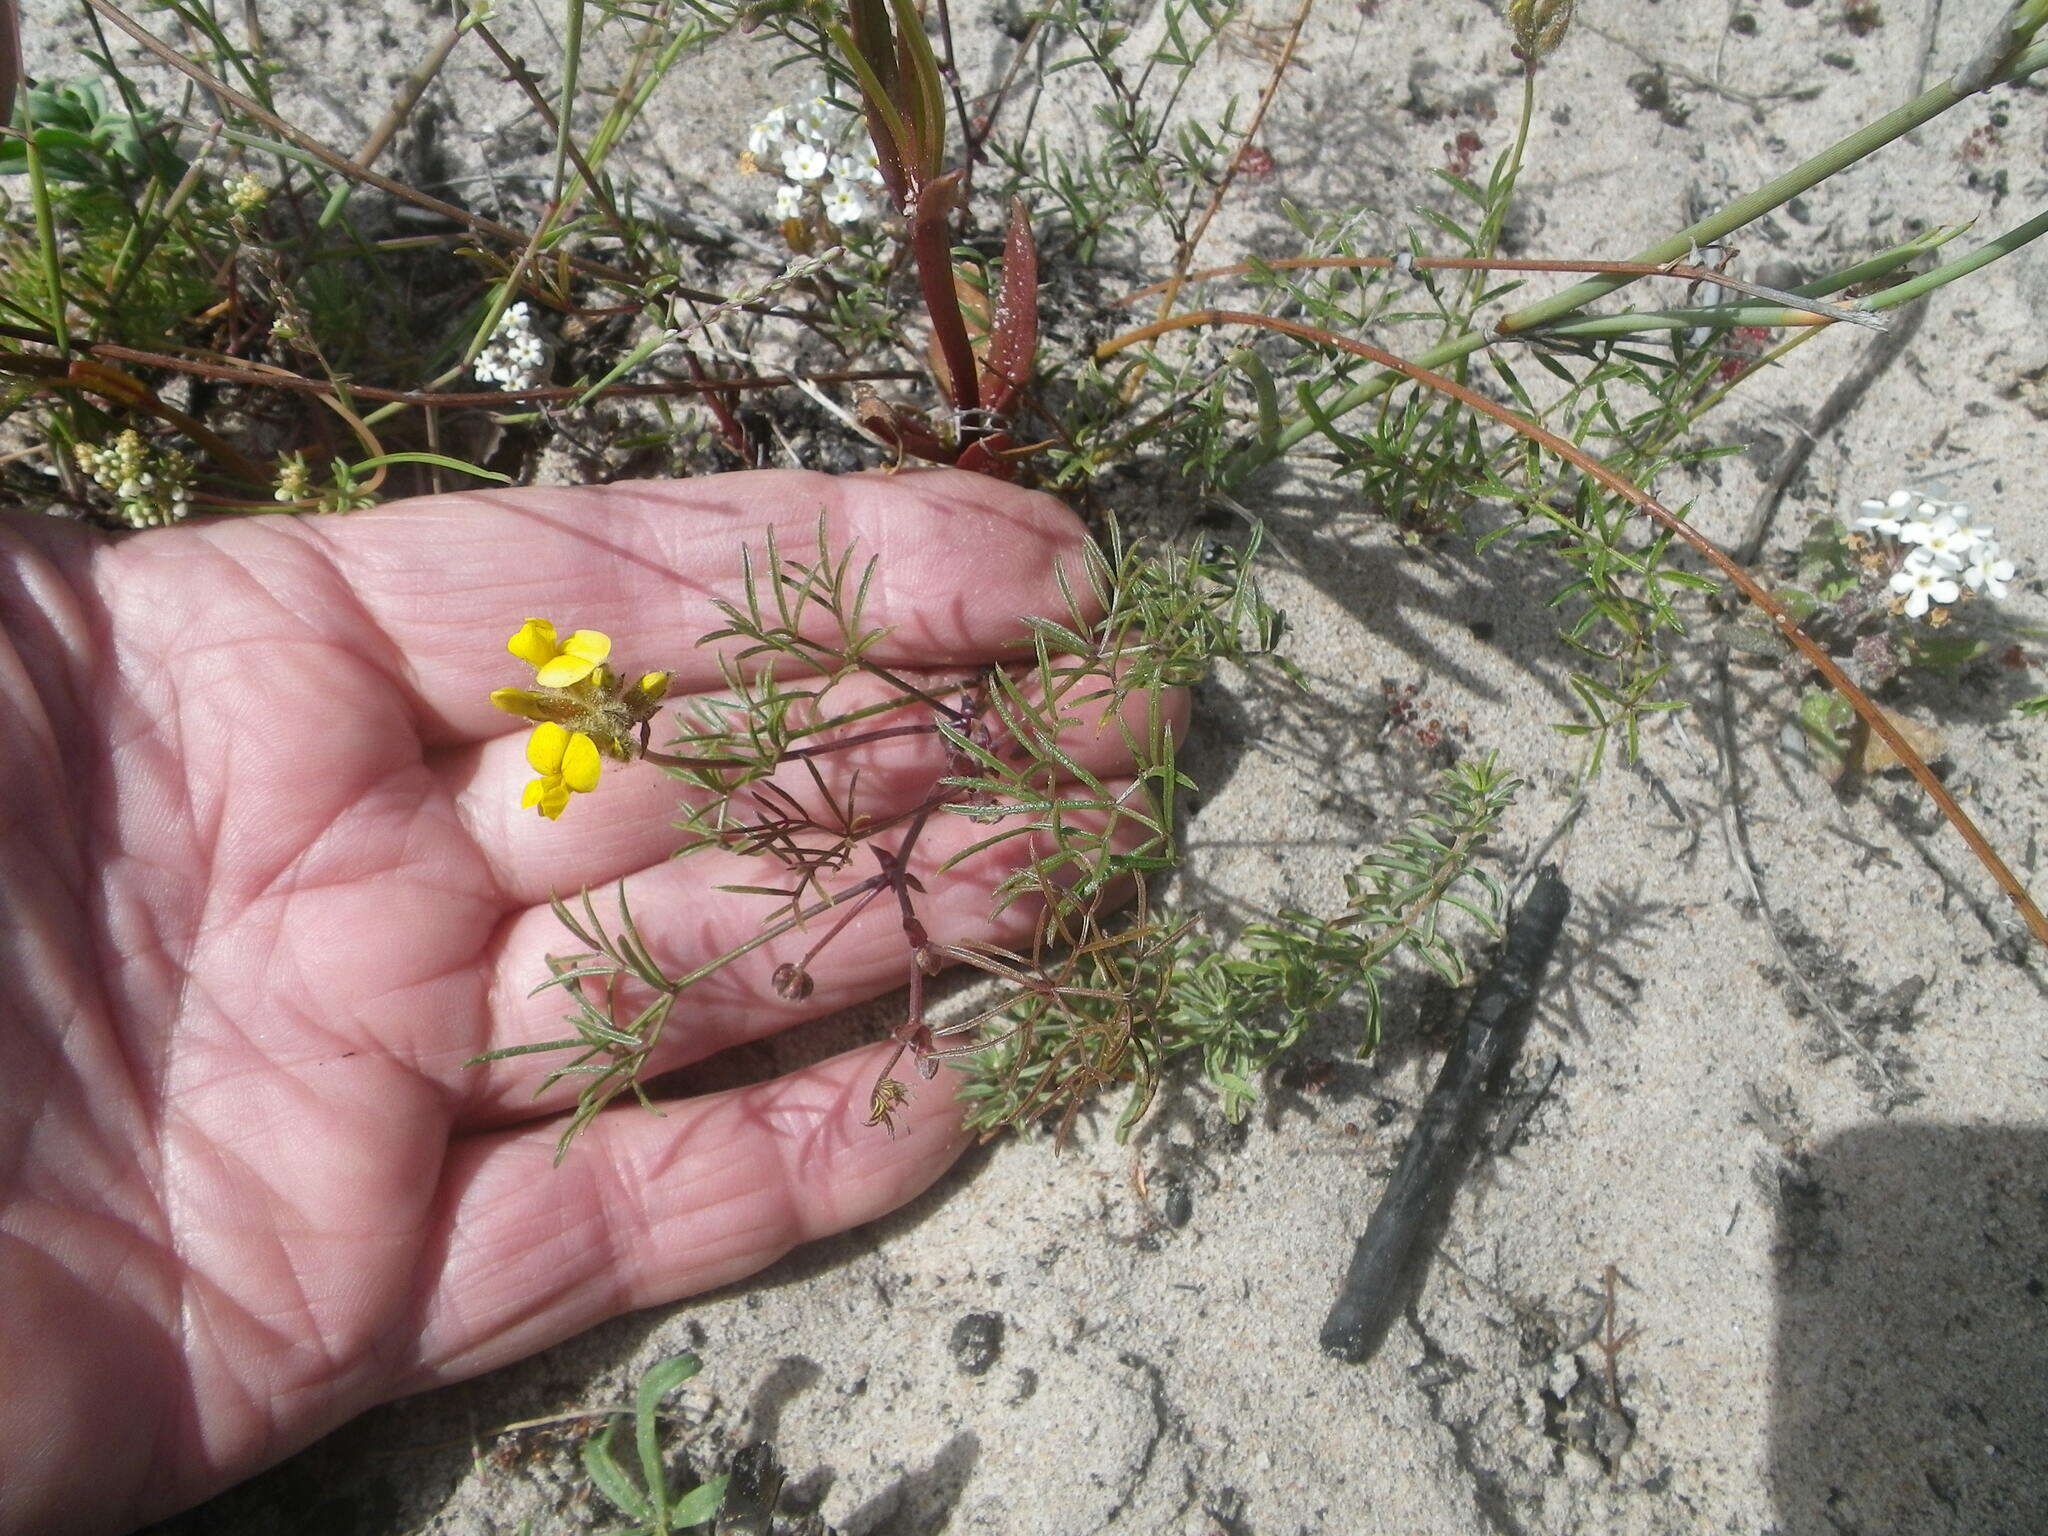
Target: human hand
269 888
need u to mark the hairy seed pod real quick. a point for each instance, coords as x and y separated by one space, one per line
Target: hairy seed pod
793 982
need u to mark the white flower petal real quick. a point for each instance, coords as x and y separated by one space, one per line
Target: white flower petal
804 162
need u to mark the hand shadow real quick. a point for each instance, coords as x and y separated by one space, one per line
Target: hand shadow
1911 1380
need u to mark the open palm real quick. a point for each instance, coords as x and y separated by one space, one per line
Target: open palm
268 887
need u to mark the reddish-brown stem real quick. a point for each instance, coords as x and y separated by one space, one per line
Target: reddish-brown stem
795 754
517 72
979 132
881 733
263 375
951 72
1873 717
729 425
334 160
1172 286
874 885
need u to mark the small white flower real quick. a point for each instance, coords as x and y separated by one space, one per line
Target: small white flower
1987 573
1944 539
766 135
1923 586
805 162
1920 559
789 201
844 204
1885 516
857 170
815 121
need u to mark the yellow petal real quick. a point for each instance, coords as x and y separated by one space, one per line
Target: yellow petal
545 747
590 644
581 764
517 701
549 796
565 671
652 685
535 643
535 788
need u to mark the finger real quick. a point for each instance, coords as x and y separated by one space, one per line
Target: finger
630 822
686 921
441 581
648 1209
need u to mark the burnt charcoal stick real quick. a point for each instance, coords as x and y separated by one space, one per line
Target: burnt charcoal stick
1371 1296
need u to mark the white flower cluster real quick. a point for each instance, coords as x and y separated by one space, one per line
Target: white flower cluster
1943 546
151 488
516 356
246 193
823 155
294 478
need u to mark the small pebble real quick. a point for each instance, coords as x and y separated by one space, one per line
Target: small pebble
977 1342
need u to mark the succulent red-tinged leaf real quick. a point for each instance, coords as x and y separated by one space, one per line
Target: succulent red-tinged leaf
994 456
1013 328
931 245
974 310
903 432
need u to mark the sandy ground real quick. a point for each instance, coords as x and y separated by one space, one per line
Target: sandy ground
1833 1314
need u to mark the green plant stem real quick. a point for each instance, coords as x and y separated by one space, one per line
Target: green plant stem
1506 178
1864 142
1726 316
572 64
1962 266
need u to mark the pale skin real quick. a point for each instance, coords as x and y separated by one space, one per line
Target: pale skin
268 888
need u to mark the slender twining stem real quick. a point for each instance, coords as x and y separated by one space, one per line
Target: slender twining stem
874 886
521 76
1873 717
336 161
795 754
1864 142
1186 254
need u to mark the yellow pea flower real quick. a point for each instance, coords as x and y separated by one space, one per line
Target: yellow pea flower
559 664
565 760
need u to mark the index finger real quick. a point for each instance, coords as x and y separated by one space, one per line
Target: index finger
959 560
